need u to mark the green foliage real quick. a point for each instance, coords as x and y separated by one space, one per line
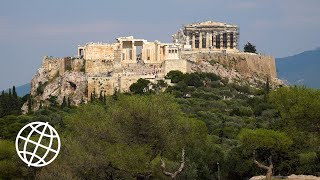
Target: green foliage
41 87
10 103
298 105
132 132
175 76
10 167
124 136
264 138
250 48
140 87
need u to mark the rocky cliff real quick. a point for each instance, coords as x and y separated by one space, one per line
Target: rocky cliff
74 79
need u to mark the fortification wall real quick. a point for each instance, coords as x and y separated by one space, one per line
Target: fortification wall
246 64
99 51
172 65
104 85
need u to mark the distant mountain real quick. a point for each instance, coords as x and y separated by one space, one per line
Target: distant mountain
300 69
22 90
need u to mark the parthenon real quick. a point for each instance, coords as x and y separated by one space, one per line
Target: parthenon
209 35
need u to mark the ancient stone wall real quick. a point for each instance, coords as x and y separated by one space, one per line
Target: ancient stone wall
98 51
247 64
180 65
104 85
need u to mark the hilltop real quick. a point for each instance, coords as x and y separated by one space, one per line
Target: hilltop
300 69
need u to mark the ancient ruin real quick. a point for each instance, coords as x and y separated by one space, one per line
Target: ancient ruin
209 36
102 68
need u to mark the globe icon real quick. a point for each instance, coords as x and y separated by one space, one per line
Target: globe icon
38 144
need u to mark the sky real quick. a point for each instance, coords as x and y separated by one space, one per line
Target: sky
31 29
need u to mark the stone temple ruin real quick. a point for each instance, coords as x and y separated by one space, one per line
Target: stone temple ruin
102 68
209 36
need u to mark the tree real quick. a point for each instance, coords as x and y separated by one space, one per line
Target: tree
173 175
64 102
140 87
125 139
175 76
268 168
115 94
14 93
101 96
298 105
29 104
250 48
267 143
193 79
69 102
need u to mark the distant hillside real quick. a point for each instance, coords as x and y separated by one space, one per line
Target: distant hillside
300 69
23 89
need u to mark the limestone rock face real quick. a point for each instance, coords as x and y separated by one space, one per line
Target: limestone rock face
248 68
53 81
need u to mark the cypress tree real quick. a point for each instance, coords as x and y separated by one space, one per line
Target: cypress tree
14 93
91 97
69 102
10 94
266 89
267 86
101 97
64 102
29 104
115 94
104 98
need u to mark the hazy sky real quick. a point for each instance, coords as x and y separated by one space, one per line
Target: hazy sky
31 29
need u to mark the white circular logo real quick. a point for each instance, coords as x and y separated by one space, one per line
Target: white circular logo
38 144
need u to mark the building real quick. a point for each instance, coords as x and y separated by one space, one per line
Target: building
209 36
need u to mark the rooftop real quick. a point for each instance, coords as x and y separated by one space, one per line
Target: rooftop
210 24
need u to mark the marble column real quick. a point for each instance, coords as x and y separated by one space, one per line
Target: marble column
208 40
213 40
200 40
134 53
187 40
193 41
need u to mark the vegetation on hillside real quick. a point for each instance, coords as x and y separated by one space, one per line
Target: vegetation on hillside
219 125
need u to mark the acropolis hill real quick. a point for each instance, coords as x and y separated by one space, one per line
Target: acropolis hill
102 68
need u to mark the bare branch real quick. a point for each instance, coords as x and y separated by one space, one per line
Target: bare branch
173 175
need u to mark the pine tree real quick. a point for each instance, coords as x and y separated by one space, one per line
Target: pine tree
250 48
